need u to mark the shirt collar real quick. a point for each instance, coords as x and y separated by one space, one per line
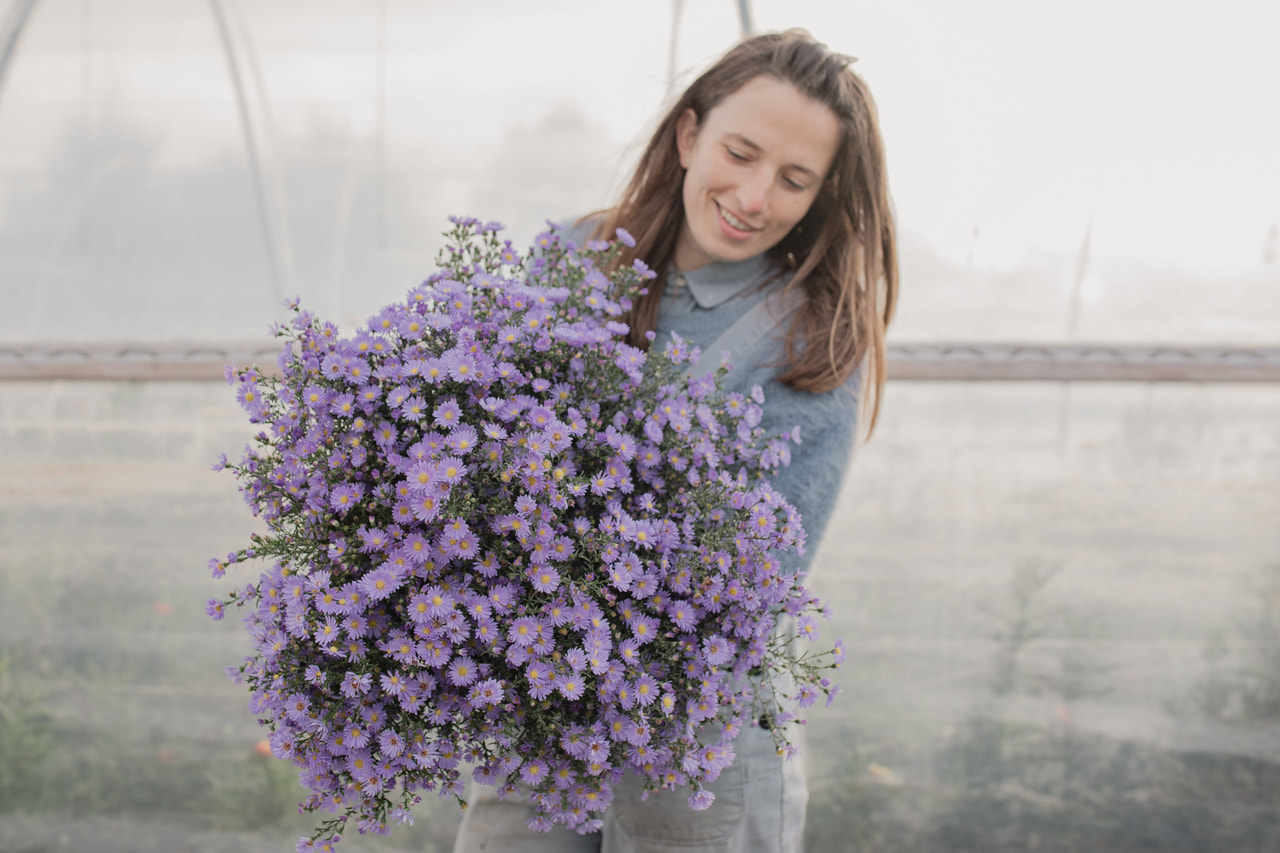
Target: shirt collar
717 283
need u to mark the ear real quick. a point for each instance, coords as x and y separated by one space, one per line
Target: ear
686 133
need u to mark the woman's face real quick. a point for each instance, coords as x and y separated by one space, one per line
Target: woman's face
753 167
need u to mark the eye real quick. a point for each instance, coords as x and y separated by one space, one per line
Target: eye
736 155
794 184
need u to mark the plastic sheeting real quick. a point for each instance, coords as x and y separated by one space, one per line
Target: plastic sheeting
1062 632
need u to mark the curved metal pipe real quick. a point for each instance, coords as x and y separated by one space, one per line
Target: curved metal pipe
677 8
744 19
11 33
266 180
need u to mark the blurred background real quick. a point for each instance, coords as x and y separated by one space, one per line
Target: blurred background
1061 598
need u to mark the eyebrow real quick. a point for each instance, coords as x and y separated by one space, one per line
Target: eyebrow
738 137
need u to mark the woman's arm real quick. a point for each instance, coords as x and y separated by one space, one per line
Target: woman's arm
828 424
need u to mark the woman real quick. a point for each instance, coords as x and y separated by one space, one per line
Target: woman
762 194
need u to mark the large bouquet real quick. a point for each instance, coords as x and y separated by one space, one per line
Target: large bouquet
500 536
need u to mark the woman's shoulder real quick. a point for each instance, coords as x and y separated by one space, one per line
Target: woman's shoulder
580 228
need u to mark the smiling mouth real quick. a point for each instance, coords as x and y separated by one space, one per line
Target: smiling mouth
733 220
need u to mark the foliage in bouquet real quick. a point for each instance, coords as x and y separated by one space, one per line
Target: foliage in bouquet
499 536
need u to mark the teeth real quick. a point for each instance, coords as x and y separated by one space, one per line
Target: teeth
734 221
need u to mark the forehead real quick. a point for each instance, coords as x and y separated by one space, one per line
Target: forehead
780 120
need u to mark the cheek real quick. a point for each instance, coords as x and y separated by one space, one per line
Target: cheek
693 187
701 177
795 211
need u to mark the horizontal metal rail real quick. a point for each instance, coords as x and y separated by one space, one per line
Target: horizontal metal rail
141 361
1083 362
132 360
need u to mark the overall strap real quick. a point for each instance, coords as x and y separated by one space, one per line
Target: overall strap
747 331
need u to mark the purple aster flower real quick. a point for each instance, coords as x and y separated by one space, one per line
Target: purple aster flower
717 650
461 367
602 484
439 600
448 414
394 684
646 690
327 631
534 772
345 497
462 439
462 671
451 469
544 578
540 679
502 596
434 652
644 628
637 732
381 583
343 404
486 693
701 800
523 631
571 685
390 744
682 614
400 647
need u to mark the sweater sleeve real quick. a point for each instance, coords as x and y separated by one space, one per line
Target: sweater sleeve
828 425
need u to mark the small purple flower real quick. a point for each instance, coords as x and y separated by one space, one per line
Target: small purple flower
462 671
345 497
452 469
544 579
571 685
355 684
701 800
380 583
644 628
534 772
448 414
717 650
485 694
394 684
390 743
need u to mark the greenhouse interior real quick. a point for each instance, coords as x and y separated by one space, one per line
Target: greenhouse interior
1054 564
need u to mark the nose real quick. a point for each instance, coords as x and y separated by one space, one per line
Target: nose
753 191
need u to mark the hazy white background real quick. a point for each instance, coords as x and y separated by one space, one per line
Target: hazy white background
1013 129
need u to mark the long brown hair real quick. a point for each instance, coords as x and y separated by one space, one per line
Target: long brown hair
843 252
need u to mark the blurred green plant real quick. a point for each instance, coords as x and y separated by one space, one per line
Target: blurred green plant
26 739
257 791
1242 682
